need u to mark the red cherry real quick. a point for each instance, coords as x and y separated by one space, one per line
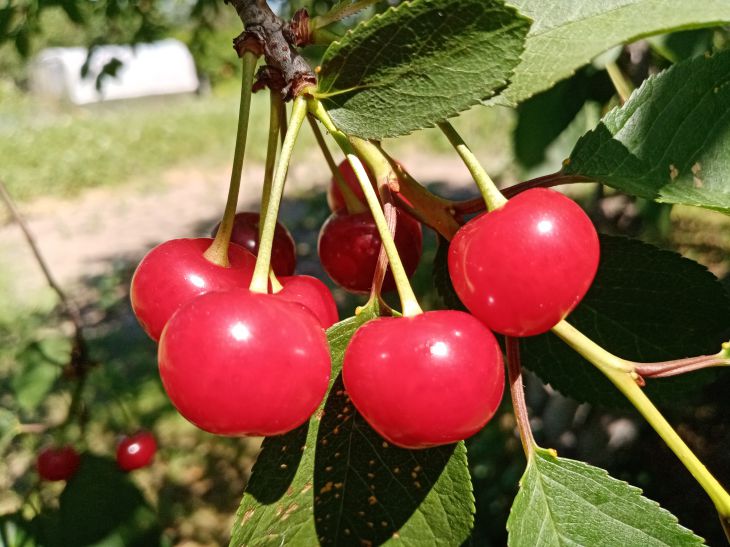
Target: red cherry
313 294
349 245
176 271
432 379
523 267
58 463
246 234
136 451
242 363
334 195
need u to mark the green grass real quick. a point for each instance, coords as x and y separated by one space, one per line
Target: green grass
49 150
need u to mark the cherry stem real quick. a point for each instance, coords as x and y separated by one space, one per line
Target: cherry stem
352 203
620 83
489 191
381 266
665 369
217 253
517 390
382 171
476 205
384 174
283 125
625 379
259 282
339 12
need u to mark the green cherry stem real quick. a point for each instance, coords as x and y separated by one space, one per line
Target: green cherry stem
352 203
259 282
491 194
272 146
380 165
620 83
218 250
625 380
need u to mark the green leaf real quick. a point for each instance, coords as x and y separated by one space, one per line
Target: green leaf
38 370
645 304
15 531
669 141
101 506
567 502
335 481
566 34
418 64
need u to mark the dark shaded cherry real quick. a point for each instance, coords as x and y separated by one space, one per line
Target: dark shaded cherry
522 268
313 294
136 451
243 363
176 271
432 379
58 463
348 248
246 234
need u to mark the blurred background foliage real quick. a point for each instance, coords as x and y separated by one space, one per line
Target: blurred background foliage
189 495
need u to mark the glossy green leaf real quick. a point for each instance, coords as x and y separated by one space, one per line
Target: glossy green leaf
645 304
567 34
566 502
418 64
37 371
670 141
334 481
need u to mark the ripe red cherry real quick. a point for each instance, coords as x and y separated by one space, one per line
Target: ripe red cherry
57 463
176 271
246 234
242 363
313 294
334 195
523 267
136 451
349 245
427 380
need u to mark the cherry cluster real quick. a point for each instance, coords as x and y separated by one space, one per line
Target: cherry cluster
60 463
238 362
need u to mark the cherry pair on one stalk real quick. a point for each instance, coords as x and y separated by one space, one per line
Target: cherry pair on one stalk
136 451
244 363
427 380
524 266
246 234
58 463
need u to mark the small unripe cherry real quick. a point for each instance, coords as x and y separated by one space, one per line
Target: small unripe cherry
246 234
136 451
175 272
427 380
524 267
349 245
58 463
241 363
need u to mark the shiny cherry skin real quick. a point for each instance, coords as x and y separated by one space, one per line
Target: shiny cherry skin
522 268
241 363
311 293
58 463
334 195
432 379
246 234
348 249
176 271
136 451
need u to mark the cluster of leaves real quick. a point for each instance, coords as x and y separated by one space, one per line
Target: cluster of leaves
425 61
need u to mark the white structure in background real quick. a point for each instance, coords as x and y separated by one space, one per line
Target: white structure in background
160 68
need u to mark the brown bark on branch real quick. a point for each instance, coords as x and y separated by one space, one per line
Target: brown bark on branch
276 41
